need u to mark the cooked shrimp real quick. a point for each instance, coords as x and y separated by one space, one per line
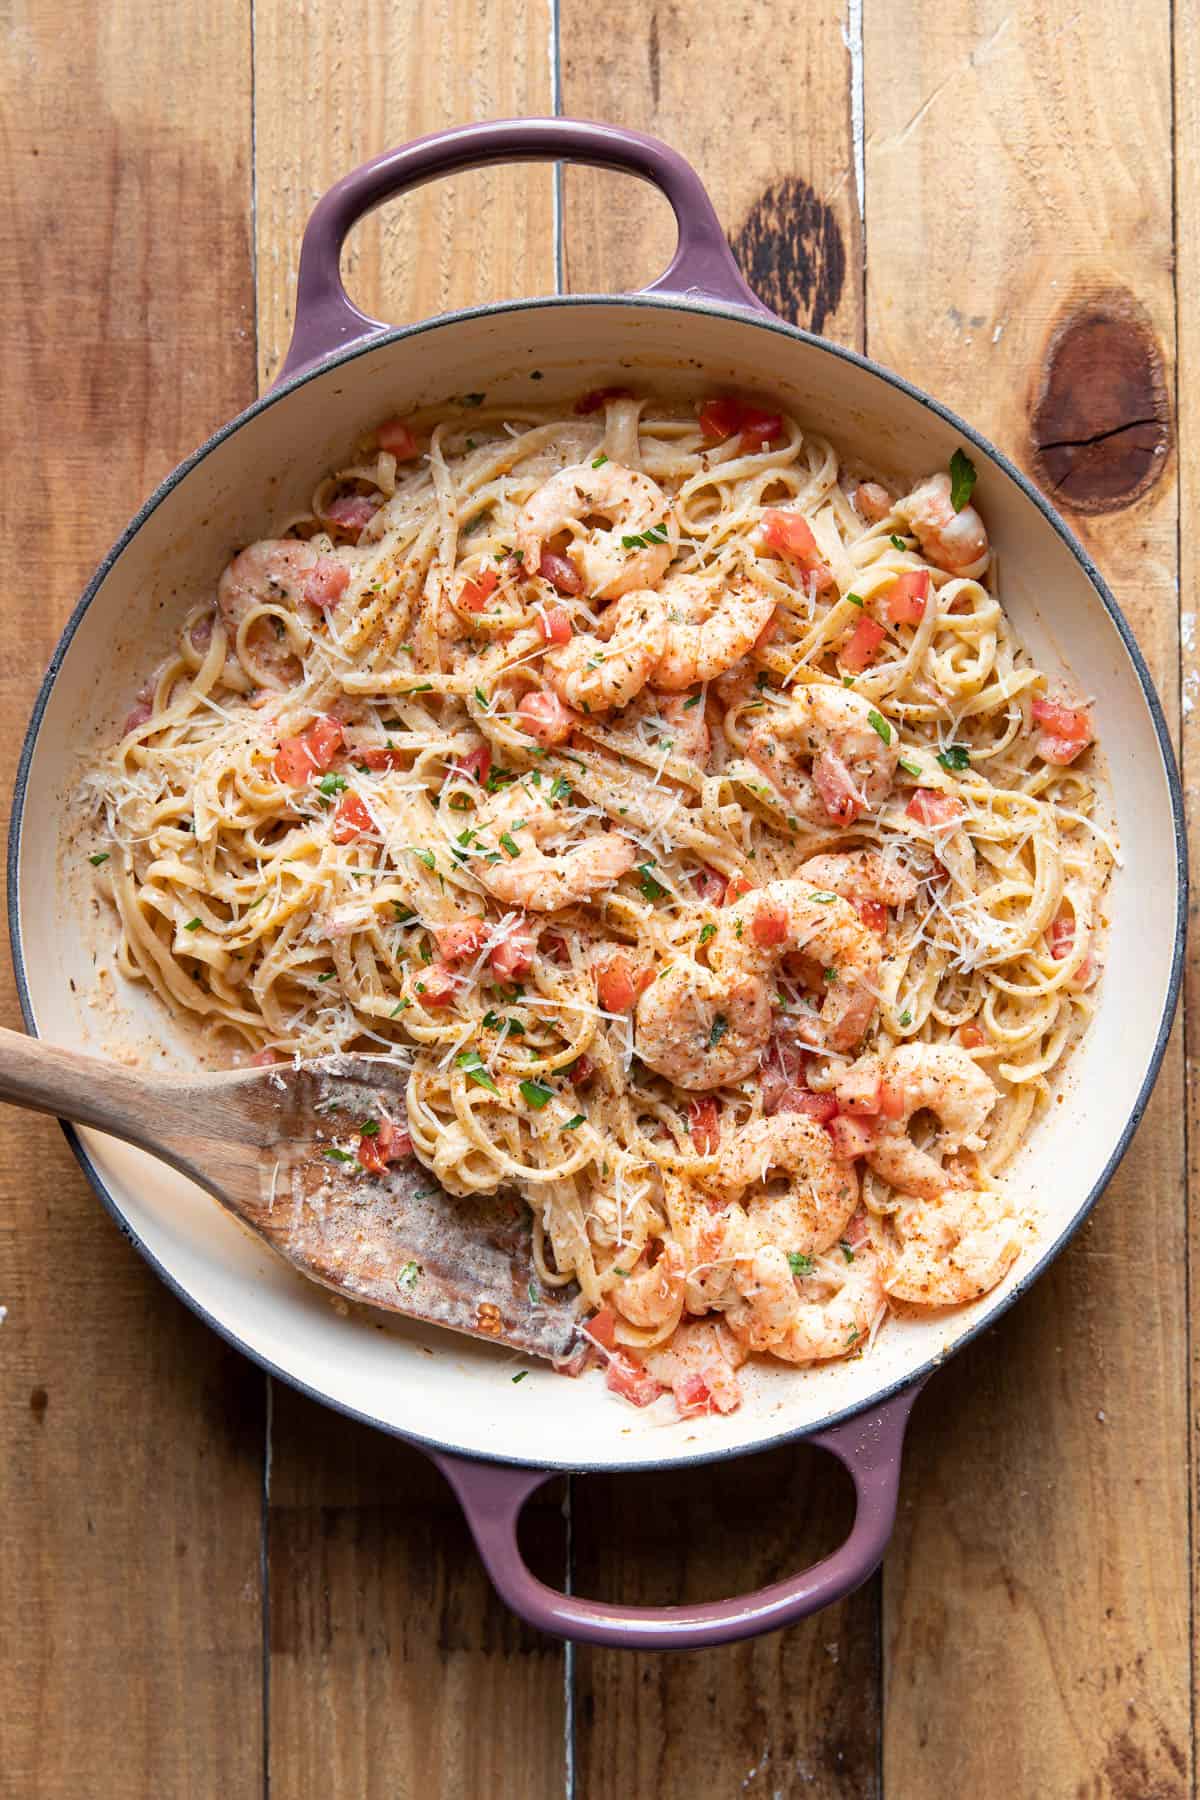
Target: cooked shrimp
791 918
955 541
938 1078
651 1294
952 1249
710 627
671 722
819 1191
861 875
632 506
825 755
537 879
775 1314
257 596
598 671
713 1234
871 501
698 1362
699 1030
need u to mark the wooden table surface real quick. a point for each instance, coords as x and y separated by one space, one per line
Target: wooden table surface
211 1587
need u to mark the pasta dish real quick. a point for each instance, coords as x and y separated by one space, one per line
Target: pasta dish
678 804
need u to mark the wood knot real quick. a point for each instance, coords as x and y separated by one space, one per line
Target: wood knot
1101 421
790 249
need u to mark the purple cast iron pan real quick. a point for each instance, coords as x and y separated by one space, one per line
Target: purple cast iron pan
337 377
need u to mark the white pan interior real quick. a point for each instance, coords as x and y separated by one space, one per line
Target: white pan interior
433 1385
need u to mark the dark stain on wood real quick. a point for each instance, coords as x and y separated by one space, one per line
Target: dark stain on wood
1101 420
790 249
39 1400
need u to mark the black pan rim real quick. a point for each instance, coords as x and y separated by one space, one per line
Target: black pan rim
740 316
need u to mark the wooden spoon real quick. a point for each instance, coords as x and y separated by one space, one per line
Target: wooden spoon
276 1146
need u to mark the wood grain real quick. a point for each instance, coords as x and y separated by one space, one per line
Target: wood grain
759 100
393 1669
339 84
131 1465
1187 275
1036 1610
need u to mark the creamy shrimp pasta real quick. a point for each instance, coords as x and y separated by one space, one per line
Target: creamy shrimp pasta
678 805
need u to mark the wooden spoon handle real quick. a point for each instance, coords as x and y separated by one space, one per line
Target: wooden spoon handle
80 1088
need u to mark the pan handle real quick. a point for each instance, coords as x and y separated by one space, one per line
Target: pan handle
327 319
869 1445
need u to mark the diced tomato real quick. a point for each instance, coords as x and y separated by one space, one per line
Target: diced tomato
379 756
438 984
737 885
852 1137
555 626
592 402
312 753
512 959
476 765
862 646
704 1125
857 1231
619 983
692 1396
628 1379
835 785
601 1327
929 807
351 819
265 1059
768 633
874 915
970 1036
789 532
821 1107
352 511
758 428
388 1144
395 437
1060 935
581 1070
560 572
710 885
769 925
905 599
721 417
473 595
543 716
327 581
463 942
555 946
713 1390
1067 730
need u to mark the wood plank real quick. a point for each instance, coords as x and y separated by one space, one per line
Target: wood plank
796 1712
131 1449
393 1668
1187 252
1036 1597
351 82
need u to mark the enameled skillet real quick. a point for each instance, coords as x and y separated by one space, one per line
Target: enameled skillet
700 327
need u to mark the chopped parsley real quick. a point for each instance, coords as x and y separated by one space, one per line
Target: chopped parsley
651 889
845 1249
192 925
825 899
495 1021
720 1026
409 1275
830 975
656 534
482 698
369 1128
707 933
100 857
329 785
854 599
340 1156
853 1336
560 788
575 1123
955 757
397 1010
633 542
799 1264
509 843
963 476
694 701
905 1019
898 543
520 1376
536 1093
535 1293
600 461
910 767
424 856
879 725
426 687
471 1063
326 977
